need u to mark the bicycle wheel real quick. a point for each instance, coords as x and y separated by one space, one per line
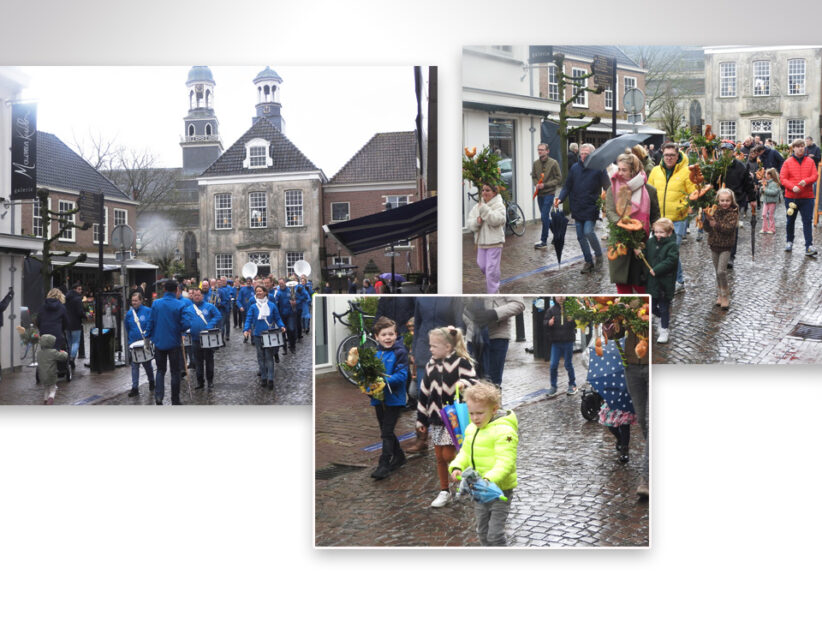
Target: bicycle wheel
516 220
352 341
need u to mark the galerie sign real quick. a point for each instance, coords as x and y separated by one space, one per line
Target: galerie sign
23 151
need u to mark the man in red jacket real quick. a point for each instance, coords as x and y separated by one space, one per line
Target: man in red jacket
798 176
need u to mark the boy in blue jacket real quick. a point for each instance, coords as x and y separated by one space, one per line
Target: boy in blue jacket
394 357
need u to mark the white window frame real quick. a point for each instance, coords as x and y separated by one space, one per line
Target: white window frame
792 137
758 74
392 201
727 130
228 271
579 83
347 211
795 88
37 219
294 211
257 144
218 209
725 79
344 260
252 206
68 237
290 259
260 258
761 126
94 229
608 95
628 83
553 86
124 214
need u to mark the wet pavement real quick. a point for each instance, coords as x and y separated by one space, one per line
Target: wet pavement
235 382
572 491
771 294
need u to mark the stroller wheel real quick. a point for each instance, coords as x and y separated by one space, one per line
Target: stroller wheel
590 403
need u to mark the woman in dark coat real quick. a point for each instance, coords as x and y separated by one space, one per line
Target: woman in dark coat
53 318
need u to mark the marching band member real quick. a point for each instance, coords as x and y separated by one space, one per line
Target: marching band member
183 295
165 329
306 314
199 316
244 298
263 315
288 312
136 324
224 306
235 308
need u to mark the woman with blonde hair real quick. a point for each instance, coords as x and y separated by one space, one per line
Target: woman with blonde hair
53 318
630 197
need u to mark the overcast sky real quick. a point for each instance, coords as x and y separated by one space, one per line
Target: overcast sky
330 112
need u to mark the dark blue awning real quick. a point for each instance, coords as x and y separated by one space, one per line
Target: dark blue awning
382 229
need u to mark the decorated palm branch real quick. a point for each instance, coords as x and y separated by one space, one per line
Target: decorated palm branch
627 233
626 312
483 169
707 172
367 369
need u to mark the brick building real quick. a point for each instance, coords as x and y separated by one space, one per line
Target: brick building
381 175
65 173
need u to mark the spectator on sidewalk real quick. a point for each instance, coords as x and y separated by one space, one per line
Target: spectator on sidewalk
487 221
546 177
561 332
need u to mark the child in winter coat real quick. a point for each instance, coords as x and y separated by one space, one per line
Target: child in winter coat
490 448
394 357
47 358
662 253
449 365
770 196
721 227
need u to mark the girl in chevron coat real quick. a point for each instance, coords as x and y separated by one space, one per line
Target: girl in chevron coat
450 364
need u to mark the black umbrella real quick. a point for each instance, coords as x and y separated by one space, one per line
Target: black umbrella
608 152
559 223
753 232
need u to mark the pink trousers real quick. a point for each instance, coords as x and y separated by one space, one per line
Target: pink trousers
768 223
488 261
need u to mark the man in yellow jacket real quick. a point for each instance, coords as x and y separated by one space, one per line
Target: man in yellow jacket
490 448
673 185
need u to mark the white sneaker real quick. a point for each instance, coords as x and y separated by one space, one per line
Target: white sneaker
442 499
663 336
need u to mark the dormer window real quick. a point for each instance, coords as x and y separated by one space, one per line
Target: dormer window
257 155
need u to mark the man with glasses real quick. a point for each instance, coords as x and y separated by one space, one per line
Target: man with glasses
673 185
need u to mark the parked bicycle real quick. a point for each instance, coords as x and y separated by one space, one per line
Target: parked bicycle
355 318
515 220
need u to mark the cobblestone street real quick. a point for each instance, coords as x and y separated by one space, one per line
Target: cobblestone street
571 492
770 294
235 382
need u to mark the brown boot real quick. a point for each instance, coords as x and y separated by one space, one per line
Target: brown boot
419 444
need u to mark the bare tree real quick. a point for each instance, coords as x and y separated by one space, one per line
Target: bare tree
665 76
670 115
133 171
160 244
66 222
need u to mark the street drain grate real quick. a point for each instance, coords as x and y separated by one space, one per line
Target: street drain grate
334 470
807 331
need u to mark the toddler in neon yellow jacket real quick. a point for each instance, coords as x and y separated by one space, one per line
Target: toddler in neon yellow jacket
490 448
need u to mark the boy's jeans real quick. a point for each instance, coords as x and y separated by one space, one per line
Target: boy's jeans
562 349
680 227
491 518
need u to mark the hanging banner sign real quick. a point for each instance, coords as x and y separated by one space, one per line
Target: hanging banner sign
23 151
603 69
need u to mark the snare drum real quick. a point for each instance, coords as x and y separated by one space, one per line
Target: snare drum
272 338
141 352
211 338
187 339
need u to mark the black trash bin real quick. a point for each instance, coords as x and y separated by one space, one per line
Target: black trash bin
102 350
542 346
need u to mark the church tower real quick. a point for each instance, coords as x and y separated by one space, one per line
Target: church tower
267 83
201 140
